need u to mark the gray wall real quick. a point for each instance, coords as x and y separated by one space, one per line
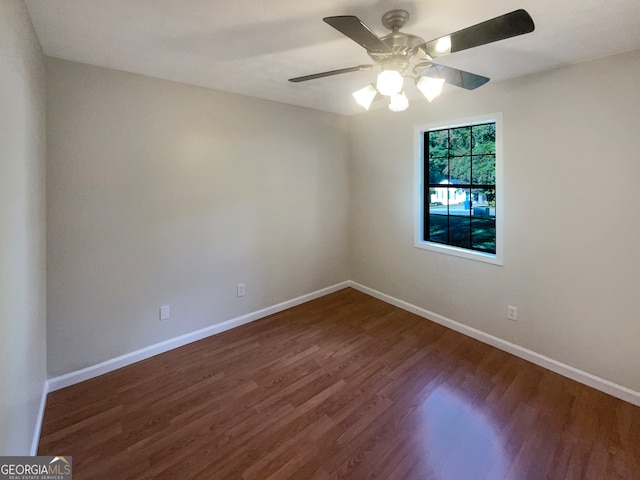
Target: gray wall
572 176
22 229
161 193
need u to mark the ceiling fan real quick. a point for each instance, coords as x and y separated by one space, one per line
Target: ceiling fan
402 55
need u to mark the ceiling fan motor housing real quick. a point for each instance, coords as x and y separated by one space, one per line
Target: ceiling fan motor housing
394 20
402 44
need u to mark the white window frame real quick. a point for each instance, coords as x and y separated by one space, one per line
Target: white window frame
419 191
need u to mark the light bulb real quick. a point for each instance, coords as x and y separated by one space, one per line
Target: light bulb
389 82
443 45
430 87
398 102
365 96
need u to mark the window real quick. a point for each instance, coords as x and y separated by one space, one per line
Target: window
459 189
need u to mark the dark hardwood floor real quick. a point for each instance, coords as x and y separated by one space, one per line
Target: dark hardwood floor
345 386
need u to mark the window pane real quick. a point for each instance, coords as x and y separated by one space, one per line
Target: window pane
484 139
459 231
460 170
438 201
438 225
483 202
484 169
438 169
460 141
483 234
438 143
460 201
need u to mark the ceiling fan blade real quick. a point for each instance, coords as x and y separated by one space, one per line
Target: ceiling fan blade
505 26
453 76
357 31
358 68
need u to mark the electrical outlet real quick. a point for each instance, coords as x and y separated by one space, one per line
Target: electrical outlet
241 289
512 312
165 312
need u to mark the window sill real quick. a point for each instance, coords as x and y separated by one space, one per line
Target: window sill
460 252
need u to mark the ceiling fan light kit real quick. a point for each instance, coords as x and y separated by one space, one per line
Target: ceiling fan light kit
401 55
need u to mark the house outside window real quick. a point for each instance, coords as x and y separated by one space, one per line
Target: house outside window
459 189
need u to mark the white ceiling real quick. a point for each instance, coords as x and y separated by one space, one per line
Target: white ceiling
251 47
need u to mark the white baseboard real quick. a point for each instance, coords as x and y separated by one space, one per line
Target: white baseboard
107 366
39 419
568 371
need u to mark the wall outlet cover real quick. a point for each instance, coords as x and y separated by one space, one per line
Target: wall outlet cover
165 312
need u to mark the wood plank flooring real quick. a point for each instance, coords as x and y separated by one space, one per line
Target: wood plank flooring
345 386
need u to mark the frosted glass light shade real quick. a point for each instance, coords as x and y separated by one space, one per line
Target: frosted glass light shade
389 82
398 102
430 87
365 96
